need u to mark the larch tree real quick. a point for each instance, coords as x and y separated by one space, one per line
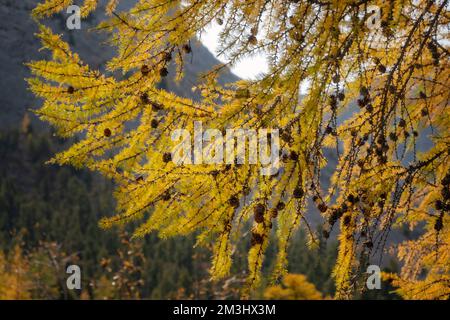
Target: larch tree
364 79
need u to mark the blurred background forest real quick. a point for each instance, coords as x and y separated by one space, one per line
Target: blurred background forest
49 215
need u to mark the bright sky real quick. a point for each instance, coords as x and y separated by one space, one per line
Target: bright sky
247 68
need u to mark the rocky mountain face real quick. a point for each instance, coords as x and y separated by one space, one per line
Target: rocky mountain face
19 45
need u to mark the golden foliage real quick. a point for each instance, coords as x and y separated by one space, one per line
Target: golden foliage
426 270
294 287
35 274
397 73
15 283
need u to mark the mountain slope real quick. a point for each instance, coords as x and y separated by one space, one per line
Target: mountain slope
19 45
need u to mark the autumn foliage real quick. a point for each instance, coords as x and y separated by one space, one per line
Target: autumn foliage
293 287
337 82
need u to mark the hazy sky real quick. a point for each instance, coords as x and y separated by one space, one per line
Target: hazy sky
247 68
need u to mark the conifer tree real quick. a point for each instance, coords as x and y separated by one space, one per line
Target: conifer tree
392 62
